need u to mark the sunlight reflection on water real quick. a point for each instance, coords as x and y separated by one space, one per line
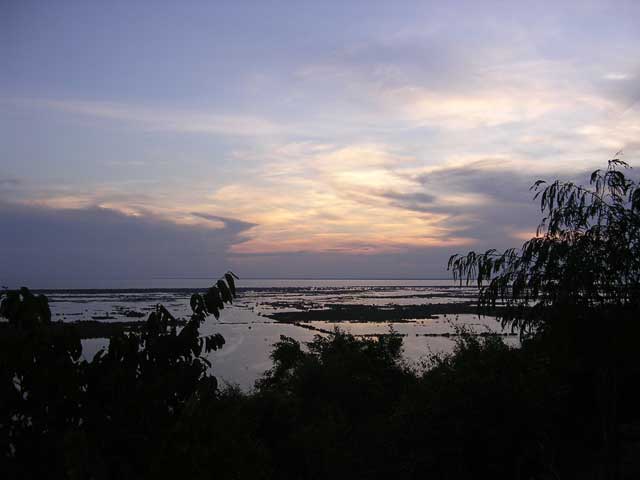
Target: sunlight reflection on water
250 335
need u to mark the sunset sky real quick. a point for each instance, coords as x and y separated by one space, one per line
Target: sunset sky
297 139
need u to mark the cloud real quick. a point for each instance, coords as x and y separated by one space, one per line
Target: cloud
231 224
162 119
433 80
9 187
486 202
10 182
406 263
44 247
366 199
420 201
616 76
462 203
340 200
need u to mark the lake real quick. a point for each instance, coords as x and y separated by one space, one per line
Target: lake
424 312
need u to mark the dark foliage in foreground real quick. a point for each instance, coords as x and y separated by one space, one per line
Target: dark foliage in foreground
61 416
341 408
576 285
349 408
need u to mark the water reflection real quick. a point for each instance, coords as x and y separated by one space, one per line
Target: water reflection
250 333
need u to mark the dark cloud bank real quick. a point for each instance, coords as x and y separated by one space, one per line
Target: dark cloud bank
44 247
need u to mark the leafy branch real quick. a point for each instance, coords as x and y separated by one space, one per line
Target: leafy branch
586 253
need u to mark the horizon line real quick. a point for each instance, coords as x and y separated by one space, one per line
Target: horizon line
307 278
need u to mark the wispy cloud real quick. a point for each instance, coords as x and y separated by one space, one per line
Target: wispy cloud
10 182
162 119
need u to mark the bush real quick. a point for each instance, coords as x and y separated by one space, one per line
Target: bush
64 417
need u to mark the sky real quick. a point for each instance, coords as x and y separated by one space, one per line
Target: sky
341 139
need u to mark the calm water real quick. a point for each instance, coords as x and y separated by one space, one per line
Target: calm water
250 333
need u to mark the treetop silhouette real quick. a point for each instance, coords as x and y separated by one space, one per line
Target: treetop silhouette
585 255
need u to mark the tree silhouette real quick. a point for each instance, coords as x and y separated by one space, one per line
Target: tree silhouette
574 289
105 417
585 255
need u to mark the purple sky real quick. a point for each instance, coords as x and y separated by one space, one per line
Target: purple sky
334 139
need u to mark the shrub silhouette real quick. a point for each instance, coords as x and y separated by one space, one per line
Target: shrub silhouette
66 417
24 309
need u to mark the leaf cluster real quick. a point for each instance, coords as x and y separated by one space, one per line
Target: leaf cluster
105 416
23 309
585 255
